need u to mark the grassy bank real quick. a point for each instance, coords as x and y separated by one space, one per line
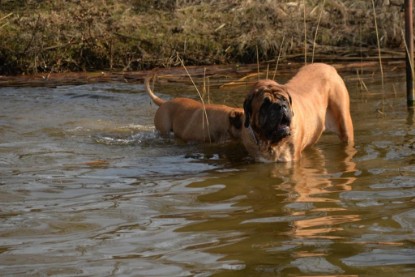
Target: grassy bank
72 35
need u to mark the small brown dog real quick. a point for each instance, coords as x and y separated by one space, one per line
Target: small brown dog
193 121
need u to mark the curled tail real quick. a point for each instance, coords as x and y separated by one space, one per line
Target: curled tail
153 97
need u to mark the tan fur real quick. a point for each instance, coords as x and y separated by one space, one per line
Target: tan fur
320 101
192 121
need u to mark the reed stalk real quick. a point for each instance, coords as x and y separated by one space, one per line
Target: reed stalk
257 60
206 86
315 34
267 72
201 99
278 58
361 82
378 43
3 18
305 33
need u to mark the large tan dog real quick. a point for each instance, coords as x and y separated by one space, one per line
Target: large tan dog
282 120
193 121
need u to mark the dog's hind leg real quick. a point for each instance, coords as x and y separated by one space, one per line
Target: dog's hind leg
338 119
162 122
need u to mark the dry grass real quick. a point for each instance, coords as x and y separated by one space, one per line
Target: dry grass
91 35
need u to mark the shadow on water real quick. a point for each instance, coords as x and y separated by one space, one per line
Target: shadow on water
88 187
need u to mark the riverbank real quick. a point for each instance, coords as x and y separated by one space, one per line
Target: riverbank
129 35
214 75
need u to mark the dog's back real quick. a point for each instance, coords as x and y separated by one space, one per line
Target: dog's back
324 79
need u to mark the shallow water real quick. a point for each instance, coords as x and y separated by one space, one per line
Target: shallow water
88 188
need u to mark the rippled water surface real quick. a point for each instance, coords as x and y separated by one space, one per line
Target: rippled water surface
88 188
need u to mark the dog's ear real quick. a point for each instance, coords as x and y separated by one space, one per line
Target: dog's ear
248 109
235 119
291 104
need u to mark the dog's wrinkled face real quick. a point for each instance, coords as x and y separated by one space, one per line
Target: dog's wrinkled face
268 111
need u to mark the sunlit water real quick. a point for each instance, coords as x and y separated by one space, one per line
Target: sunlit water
88 188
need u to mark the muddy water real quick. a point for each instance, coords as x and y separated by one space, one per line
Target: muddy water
88 188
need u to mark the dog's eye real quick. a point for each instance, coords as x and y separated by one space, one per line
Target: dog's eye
283 98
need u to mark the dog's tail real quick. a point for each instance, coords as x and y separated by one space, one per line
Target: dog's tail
150 92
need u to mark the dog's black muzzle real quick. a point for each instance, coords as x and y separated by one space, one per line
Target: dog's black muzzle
275 119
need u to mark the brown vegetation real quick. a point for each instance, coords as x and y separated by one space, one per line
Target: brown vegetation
72 35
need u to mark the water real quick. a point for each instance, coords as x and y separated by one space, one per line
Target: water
88 188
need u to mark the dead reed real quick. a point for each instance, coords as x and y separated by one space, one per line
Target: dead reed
57 36
205 119
316 32
378 43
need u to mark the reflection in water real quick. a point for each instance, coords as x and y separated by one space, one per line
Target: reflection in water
312 184
290 205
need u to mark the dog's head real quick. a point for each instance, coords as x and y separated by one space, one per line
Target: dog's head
268 110
235 122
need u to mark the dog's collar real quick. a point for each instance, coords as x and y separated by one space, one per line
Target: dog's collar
251 132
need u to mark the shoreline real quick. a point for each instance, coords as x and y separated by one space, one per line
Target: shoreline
219 73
